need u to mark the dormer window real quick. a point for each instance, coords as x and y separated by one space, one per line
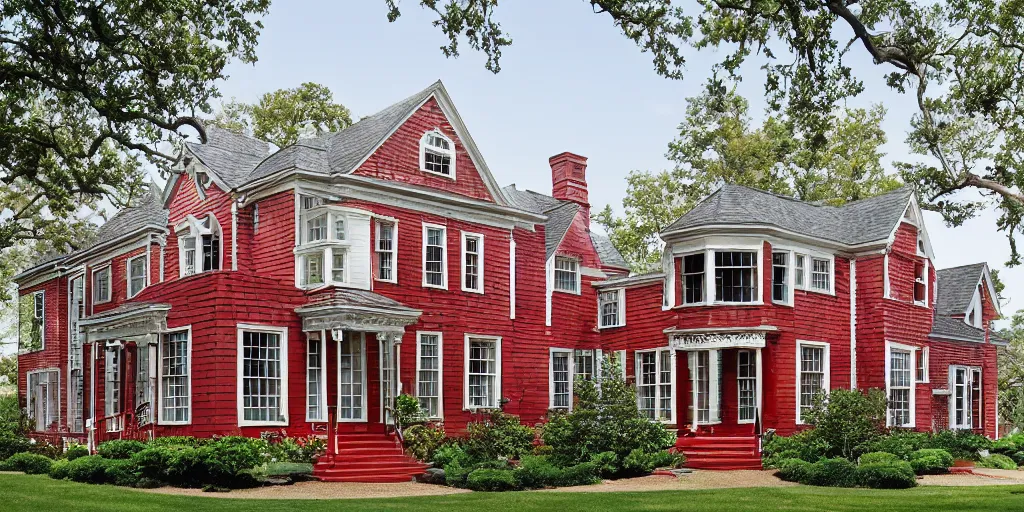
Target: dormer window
437 154
199 245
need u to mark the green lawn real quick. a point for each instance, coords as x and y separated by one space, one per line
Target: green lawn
35 493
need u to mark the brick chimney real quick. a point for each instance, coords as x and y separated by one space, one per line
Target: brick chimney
569 178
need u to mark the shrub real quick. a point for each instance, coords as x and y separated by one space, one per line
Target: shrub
803 445
91 469
846 419
877 457
535 472
179 441
75 451
456 475
449 454
28 463
421 441
500 435
931 461
408 411
121 472
152 462
492 480
637 463
882 475
997 461
11 443
1018 457
961 444
305 450
900 443
184 467
793 470
1005 446
830 473
606 464
59 469
224 460
584 473
120 449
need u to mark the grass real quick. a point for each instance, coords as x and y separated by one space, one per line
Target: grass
33 493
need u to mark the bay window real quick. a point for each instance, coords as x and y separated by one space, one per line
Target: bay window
483 372
780 277
175 378
263 375
735 276
312 269
812 375
338 265
693 278
328 237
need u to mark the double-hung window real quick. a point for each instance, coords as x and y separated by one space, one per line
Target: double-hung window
43 406
313 269
746 384
655 376
799 271
921 364
316 228
435 256
780 277
821 275
385 243
567 274
901 384
560 378
735 276
437 154
263 374
483 372
136 275
32 321
428 373
812 375
175 378
472 262
921 283
316 386
112 386
585 364
101 285
693 278
611 308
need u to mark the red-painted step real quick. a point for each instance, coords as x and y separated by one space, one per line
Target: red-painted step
368 457
720 453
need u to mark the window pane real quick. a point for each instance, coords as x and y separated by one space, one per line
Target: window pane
434 264
780 277
483 373
566 274
608 303
735 276
428 379
175 395
261 376
693 279
562 392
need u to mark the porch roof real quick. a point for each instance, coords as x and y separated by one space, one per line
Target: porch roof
711 338
355 310
135 321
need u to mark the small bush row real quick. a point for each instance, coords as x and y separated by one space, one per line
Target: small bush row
877 473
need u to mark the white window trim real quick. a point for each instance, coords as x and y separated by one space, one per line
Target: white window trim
283 332
790 299
42 321
158 409
128 274
444 256
661 352
190 226
554 274
323 378
809 255
110 283
710 292
827 368
925 354
378 220
889 348
756 355
886 289
968 396
440 370
682 279
809 280
497 378
620 320
362 355
29 391
479 264
451 153
922 303
551 377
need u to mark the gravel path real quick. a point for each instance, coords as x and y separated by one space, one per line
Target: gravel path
321 491
690 481
982 476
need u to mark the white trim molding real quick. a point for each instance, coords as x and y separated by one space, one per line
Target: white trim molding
826 371
158 409
282 332
444 256
497 398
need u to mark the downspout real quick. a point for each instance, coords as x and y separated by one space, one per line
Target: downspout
853 324
511 276
234 235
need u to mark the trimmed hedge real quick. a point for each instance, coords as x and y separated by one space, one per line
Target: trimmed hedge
28 463
876 457
492 480
879 473
931 461
120 449
75 451
882 475
59 469
793 470
91 469
997 461
831 473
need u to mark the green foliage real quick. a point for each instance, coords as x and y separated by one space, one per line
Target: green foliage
500 435
961 444
900 443
60 469
456 474
492 480
121 472
289 468
305 450
450 454
421 441
75 451
847 419
931 461
120 449
280 116
877 457
997 461
11 443
88 470
29 463
1006 446
535 472
804 445
152 462
183 441
1011 376
831 473
9 367
606 464
408 411
793 470
885 475
605 418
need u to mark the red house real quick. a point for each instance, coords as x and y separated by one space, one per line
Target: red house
302 289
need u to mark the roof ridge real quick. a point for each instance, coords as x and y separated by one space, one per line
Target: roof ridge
985 263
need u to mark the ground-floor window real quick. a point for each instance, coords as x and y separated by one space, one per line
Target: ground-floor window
901 383
965 409
428 373
43 399
263 375
483 372
585 364
352 377
746 384
315 390
112 388
560 378
76 400
143 386
812 375
655 376
175 378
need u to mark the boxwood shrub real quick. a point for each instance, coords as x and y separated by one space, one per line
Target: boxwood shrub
885 475
492 480
931 461
830 473
75 451
120 449
875 457
29 463
997 461
91 469
793 470
59 469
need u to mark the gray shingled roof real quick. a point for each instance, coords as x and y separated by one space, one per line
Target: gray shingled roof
607 251
617 282
231 156
349 298
946 327
559 213
956 287
858 222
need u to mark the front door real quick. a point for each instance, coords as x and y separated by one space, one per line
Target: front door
965 401
352 377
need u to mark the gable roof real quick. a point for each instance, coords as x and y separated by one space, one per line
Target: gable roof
559 213
955 328
855 223
231 156
607 251
956 286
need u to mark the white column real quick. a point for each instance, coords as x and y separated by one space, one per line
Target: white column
714 378
692 362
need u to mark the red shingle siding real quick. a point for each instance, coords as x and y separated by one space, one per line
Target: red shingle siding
272 244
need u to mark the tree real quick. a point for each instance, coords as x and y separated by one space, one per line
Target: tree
960 62
717 142
1011 374
278 116
9 368
92 89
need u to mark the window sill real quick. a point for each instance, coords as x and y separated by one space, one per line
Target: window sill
470 290
320 245
450 176
390 281
744 422
173 423
263 423
101 302
611 326
717 304
567 292
435 286
782 303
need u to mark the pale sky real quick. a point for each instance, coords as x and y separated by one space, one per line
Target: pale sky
569 82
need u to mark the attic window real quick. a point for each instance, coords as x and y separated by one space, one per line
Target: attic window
920 245
921 283
437 154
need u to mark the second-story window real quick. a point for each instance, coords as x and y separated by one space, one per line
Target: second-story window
435 272
136 275
567 274
437 154
799 269
316 228
386 251
735 276
199 245
821 275
693 278
101 285
921 283
780 277
313 269
610 308
472 262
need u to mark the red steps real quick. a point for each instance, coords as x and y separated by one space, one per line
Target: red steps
368 457
720 453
